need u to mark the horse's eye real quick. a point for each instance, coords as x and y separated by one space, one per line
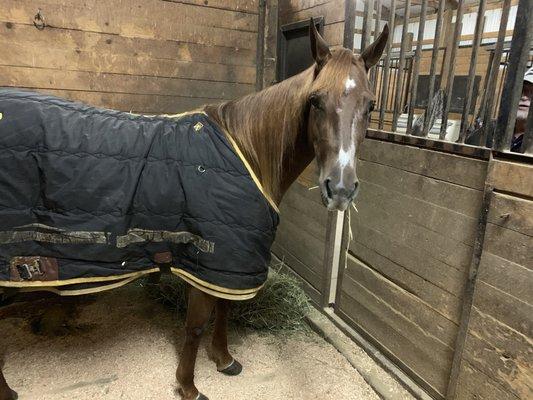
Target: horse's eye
314 99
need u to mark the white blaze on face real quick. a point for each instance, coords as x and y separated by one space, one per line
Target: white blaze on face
346 157
349 85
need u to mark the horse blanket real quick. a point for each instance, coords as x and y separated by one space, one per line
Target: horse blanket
91 199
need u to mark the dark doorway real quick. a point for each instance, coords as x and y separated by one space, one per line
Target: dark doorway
294 52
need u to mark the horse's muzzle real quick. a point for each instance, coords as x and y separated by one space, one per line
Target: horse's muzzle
337 197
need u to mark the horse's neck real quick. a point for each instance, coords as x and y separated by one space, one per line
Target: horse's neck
270 128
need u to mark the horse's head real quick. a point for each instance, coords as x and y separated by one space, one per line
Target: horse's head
341 99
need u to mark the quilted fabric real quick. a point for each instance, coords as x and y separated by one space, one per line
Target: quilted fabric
105 193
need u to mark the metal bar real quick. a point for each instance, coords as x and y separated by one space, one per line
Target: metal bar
260 52
377 26
451 72
433 68
478 33
489 95
397 95
386 67
468 295
367 25
512 91
428 143
349 24
501 83
483 102
527 143
416 68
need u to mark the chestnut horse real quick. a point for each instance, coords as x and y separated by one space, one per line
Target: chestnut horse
322 112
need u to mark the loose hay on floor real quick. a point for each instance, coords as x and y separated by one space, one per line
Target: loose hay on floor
281 305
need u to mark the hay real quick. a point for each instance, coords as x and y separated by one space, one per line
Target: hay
281 305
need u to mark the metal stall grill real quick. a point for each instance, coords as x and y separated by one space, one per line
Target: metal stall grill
421 92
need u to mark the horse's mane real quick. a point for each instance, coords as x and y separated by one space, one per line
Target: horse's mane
266 124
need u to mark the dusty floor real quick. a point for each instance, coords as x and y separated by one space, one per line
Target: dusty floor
121 345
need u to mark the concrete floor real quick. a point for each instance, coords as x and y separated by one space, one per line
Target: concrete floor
122 345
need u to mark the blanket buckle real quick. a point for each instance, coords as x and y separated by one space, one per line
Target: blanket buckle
34 268
28 271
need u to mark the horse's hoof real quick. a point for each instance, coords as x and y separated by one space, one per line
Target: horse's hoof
235 368
199 397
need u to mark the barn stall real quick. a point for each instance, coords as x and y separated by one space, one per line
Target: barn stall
432 272
155 57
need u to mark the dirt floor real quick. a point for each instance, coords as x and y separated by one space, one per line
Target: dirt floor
122 345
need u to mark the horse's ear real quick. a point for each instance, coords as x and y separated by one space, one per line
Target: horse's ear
319 47
372 53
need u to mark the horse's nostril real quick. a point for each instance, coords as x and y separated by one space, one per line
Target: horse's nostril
328 189
354 191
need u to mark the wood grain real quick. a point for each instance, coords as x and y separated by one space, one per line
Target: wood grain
510 176
424 354
430 163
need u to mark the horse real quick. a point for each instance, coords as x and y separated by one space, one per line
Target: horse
323 113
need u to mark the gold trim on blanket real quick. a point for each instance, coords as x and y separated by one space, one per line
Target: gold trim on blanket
214 290
75 281
251 172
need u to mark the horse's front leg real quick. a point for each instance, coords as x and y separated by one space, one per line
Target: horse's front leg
198 313
5 392
218 351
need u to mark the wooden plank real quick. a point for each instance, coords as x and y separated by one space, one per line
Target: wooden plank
77 80
505 308
512 212
308 208
509 244
413 260
475 385
501 353
403 301
145 12
106 44
248 6
296 216
334 34
332 11
137 103
434 164
303 245
293 6
443 304
399 337
511 278
513 375
440 247
313 196
301 269
437 219
444 194
510 176
88 61
149 19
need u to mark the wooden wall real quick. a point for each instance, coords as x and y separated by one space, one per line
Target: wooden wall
302 10
408 261
497 362
146 56
301 237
